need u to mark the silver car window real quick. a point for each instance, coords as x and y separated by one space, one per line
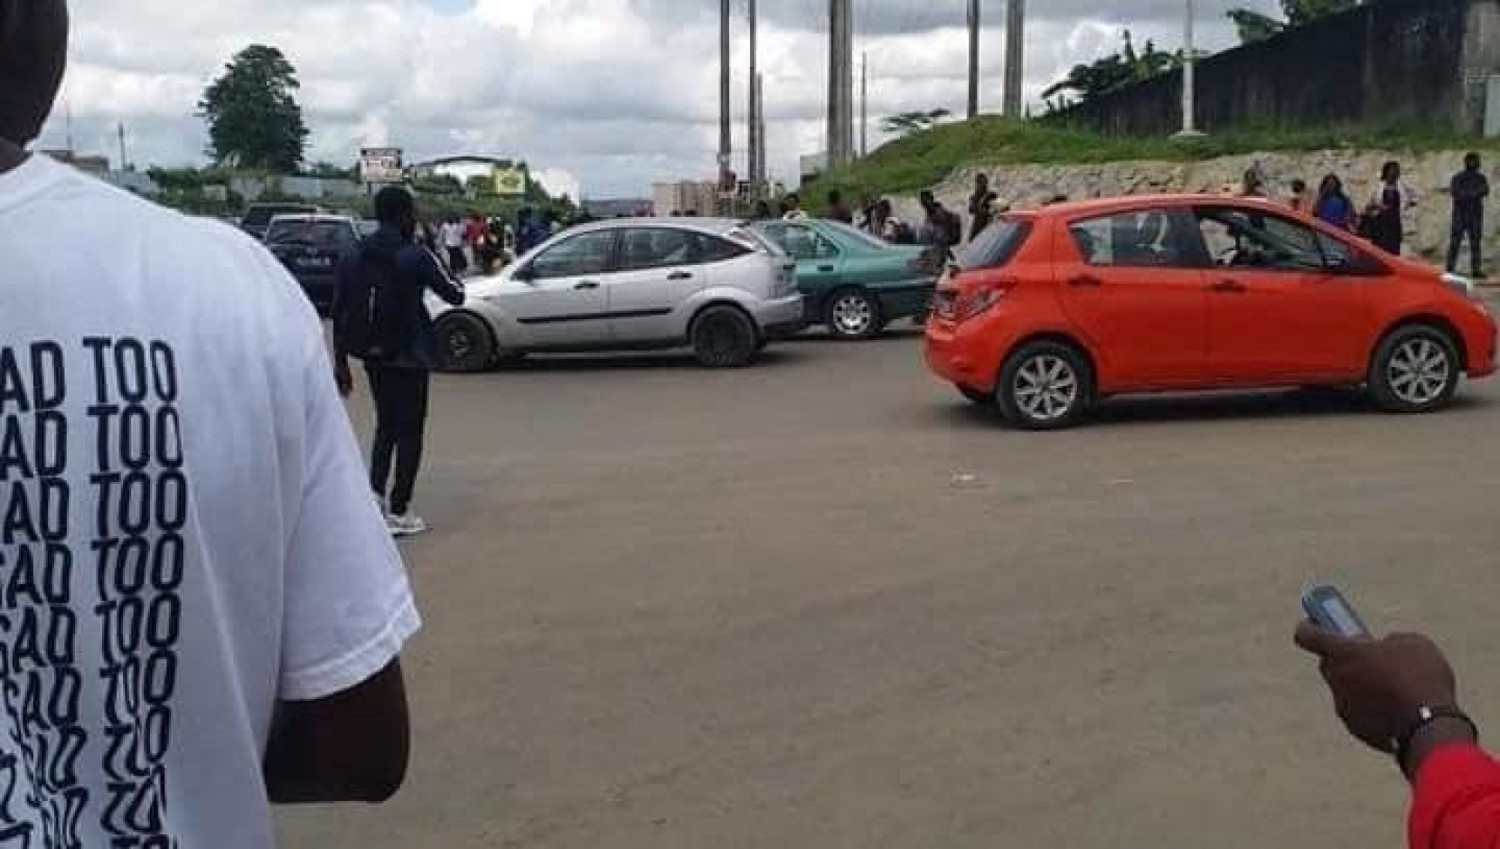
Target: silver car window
586 253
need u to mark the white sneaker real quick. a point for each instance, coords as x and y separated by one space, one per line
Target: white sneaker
405 525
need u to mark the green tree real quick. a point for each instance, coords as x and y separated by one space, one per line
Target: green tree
1110 73
253 117
912 122
1254 26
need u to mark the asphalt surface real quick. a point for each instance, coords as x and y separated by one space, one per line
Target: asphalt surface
824 602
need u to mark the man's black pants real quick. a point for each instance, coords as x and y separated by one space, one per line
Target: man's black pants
400 421
1472 229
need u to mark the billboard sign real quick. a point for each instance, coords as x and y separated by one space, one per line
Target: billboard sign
381 165
510 181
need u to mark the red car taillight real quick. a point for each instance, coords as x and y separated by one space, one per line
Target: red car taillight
976 301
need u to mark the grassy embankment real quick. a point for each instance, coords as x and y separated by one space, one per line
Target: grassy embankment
917 161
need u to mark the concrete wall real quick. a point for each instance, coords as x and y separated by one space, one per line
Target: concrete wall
1419 63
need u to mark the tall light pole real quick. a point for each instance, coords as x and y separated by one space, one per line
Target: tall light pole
840 83
974 24
725 131
1015 57
754 118
864 105
1189 75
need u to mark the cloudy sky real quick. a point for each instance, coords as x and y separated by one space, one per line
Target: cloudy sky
615 93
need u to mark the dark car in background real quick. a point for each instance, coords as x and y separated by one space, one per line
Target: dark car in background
258 217
311 247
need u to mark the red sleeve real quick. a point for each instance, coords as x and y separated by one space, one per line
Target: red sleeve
1456 804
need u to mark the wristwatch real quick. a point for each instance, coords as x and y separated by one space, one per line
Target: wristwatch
1426 715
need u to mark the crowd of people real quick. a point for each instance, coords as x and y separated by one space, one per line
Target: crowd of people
480 243
1382 219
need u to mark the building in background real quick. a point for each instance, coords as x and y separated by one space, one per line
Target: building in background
700 197
619 207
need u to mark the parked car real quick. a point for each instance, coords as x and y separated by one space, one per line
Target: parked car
855 283
1050 311
258 217
311 246
637 283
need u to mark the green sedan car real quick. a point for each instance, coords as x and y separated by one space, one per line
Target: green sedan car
853 283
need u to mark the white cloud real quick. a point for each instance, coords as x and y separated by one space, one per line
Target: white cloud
618 92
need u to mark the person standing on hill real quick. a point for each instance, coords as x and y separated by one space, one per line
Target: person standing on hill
1252 185
942 229
1384 224
981 205
1299 201
1470 189
1333 205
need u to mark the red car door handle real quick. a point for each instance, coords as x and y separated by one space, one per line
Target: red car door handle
1231 287
1085 281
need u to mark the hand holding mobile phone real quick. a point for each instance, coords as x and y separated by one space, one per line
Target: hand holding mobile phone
1327 608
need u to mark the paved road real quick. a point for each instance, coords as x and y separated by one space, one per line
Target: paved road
824 603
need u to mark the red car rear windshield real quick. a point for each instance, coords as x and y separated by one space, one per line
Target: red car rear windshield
996 245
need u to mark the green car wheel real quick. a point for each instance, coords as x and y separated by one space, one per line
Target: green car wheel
853 314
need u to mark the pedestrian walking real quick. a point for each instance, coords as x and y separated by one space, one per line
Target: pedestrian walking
837 211
1383 223
1333 205
981 205
206 614
380 317
1470 189
453 244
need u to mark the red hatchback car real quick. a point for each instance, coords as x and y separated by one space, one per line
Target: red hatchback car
1047 312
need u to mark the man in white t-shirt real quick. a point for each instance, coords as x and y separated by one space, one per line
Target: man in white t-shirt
200 608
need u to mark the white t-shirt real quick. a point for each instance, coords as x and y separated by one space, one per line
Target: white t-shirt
453 235
186 532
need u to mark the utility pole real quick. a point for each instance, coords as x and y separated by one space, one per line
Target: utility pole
974 23
725 133
124 162
762 176
1015 56
840 83
864 105
752 120
1189 75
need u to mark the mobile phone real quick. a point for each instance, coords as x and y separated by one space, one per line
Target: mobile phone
1327 608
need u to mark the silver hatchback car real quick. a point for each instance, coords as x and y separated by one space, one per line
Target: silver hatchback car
630 284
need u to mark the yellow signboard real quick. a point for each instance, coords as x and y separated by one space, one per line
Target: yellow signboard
510 182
